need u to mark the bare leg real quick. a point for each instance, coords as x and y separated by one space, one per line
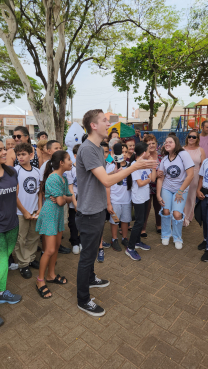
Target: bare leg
43 243
114 230
50 243
51 267
101 243
124 227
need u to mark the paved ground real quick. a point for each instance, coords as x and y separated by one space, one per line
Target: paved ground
157 313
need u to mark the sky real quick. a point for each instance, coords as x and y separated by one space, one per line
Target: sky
94 91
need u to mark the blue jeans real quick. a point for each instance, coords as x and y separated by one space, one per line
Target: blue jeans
166 220
204 210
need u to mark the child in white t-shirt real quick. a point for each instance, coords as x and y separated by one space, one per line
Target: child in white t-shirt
139 182
29 203
202 194
72 181
119 201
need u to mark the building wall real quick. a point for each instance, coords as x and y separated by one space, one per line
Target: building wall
10 127
143 115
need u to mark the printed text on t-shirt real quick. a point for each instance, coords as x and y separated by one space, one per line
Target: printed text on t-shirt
8 190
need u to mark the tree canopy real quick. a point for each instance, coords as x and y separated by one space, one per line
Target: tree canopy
65 34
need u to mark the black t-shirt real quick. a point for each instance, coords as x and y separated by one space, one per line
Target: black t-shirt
8 202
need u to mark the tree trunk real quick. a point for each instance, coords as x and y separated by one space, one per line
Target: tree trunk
43 109
60 119
151 105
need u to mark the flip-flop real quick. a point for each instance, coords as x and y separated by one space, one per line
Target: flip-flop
56 280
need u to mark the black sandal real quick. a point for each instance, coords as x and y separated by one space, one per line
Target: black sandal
43 294
56 280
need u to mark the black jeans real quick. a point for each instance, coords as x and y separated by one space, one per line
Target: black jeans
204 211
74 237
140 211
90 228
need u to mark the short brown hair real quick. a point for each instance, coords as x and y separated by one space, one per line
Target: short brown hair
204 122
111 133
197 140
89 117
75 149
150 137
41 144
23 147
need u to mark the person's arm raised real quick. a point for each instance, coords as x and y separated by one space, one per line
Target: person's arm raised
110 180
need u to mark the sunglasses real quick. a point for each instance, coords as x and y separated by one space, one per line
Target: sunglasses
17 136
194 137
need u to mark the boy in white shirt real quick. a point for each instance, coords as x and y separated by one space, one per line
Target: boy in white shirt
72 181
29 203
119 201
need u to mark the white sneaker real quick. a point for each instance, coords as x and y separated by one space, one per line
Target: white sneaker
165 241
75 250
13 266
80 247
178 245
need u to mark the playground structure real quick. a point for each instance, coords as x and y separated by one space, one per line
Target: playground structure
193 120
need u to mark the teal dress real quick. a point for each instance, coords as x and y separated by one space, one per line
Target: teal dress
51 217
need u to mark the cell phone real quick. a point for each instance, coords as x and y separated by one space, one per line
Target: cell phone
35 215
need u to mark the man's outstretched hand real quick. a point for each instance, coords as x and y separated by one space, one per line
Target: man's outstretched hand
144 164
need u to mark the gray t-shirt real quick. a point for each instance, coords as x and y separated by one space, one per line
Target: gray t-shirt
92 197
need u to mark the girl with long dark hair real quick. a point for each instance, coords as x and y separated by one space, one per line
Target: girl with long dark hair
21 135
51 218
172 189
139 182
9 223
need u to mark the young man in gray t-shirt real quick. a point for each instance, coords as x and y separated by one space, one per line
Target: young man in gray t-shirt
92 181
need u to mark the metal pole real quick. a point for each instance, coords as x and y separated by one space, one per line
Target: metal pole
127 108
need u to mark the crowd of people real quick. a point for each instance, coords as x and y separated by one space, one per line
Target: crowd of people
36 183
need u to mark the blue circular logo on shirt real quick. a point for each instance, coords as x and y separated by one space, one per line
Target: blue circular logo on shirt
174 171
30 185
206 175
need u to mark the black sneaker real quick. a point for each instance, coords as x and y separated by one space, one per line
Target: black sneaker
1 321
26 272
202 245
91 308
125 242
205 256
115 245
99 283
143 235
64 250
34 264
9 297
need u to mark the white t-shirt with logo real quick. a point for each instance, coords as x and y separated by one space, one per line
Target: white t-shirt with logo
119 193
29 185
175 171
204 173
139 195
71 176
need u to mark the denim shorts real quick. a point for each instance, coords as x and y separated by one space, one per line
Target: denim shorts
170 203
123 212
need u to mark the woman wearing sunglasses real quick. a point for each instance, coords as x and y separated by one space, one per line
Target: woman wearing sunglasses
21 135
198 155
